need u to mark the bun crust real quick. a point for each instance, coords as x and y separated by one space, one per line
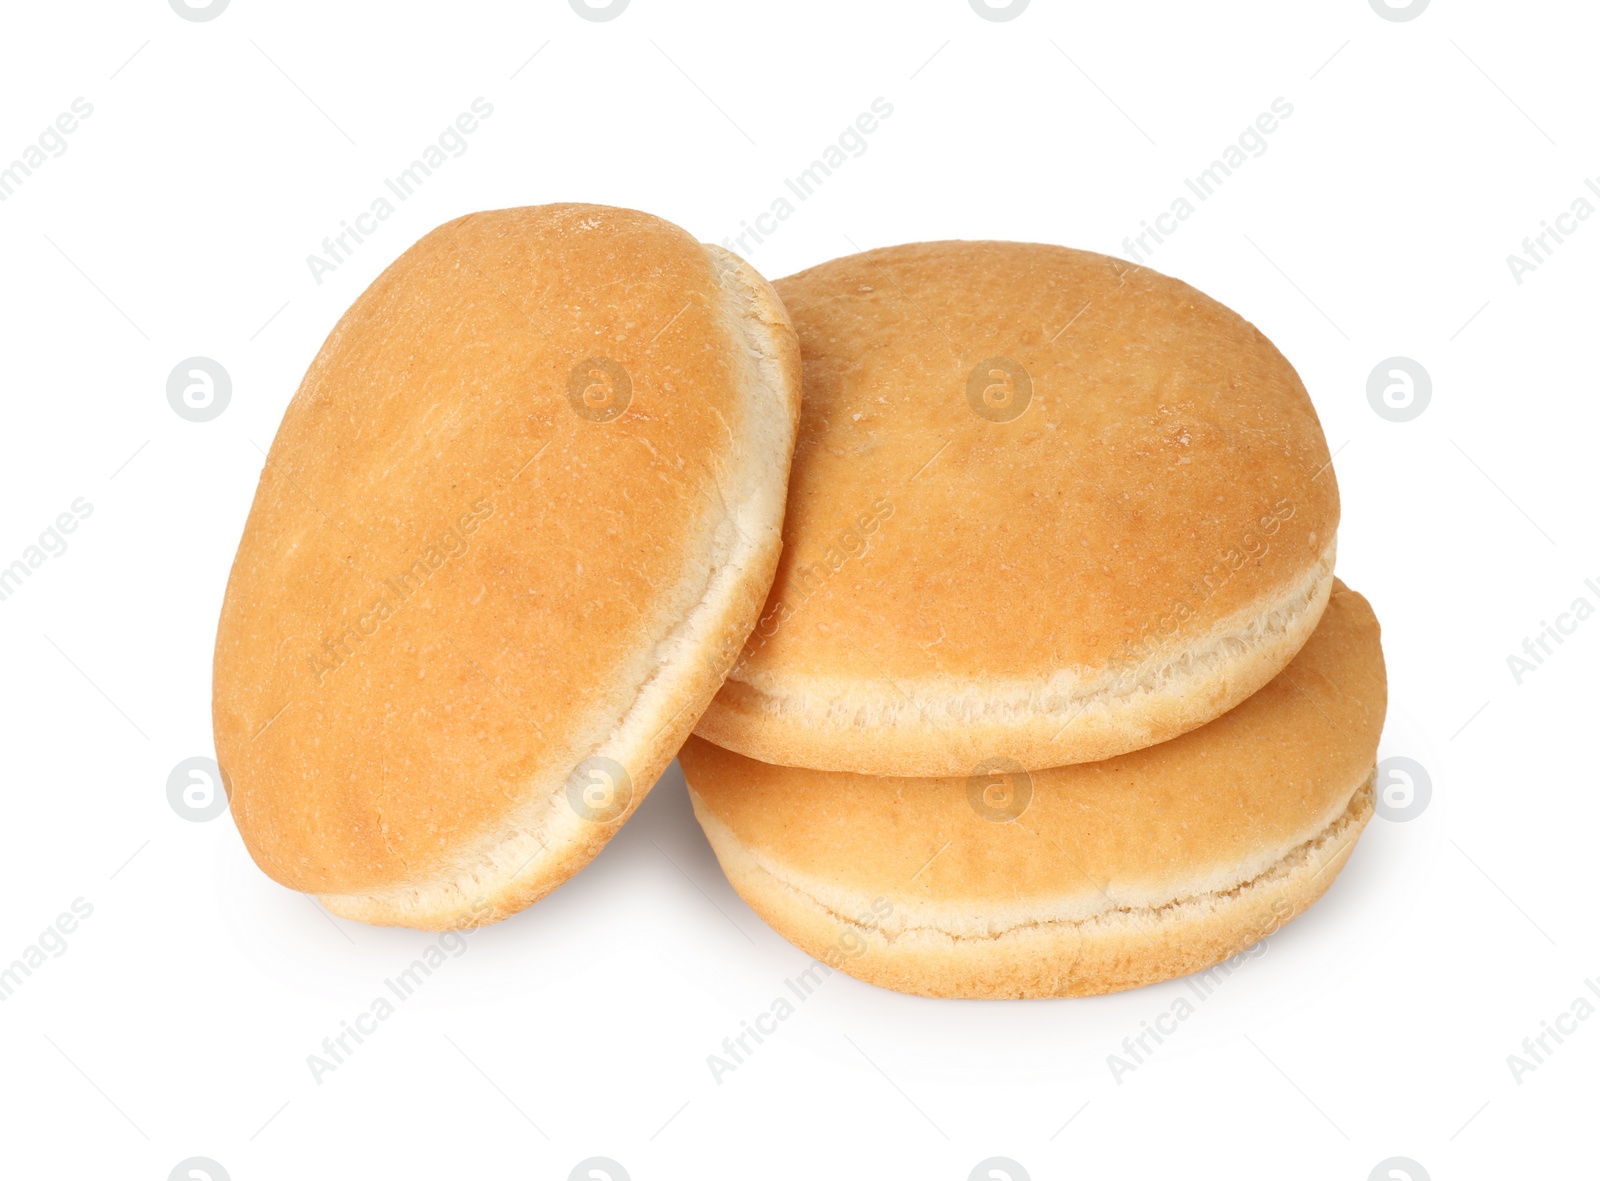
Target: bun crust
1045 504
1078 880
513 529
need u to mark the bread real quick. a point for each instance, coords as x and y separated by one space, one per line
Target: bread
1045 504
1074 881
514 527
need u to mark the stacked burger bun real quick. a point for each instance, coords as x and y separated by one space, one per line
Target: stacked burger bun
1055 692
1052 690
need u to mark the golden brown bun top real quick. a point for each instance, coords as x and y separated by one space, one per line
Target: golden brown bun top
447 483
1168 469
1198 813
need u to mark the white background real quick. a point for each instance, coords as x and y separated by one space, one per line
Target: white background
219 154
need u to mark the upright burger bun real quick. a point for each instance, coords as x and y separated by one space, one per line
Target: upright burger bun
1045 504
513 530
1073 881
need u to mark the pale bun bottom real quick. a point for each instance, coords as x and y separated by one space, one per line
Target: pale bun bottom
1116 950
